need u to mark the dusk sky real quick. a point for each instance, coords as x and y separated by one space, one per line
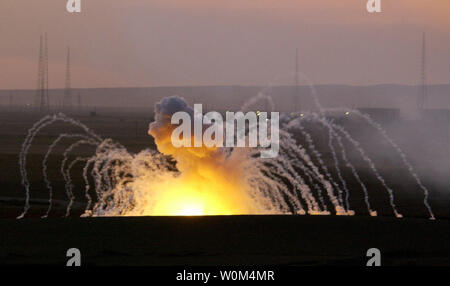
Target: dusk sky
117 43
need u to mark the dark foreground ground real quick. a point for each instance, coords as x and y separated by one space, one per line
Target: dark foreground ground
226 240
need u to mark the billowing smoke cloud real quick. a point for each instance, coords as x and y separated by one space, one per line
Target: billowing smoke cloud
211 180
161 130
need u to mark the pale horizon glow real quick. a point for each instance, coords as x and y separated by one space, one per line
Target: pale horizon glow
142 43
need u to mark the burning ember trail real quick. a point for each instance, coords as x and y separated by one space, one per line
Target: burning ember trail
214 181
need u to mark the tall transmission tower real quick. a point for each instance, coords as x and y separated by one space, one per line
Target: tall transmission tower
423 93
47 99
37 98
67 100
41 98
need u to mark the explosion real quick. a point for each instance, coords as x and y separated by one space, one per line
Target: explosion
188 181
209 181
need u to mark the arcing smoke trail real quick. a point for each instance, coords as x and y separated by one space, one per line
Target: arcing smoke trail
44 164
45 121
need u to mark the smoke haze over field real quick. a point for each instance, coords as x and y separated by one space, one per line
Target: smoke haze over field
236 42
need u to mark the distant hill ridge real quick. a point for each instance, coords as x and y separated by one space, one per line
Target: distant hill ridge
232 97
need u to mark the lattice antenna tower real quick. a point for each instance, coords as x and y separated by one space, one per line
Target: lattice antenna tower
38 99
41 98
